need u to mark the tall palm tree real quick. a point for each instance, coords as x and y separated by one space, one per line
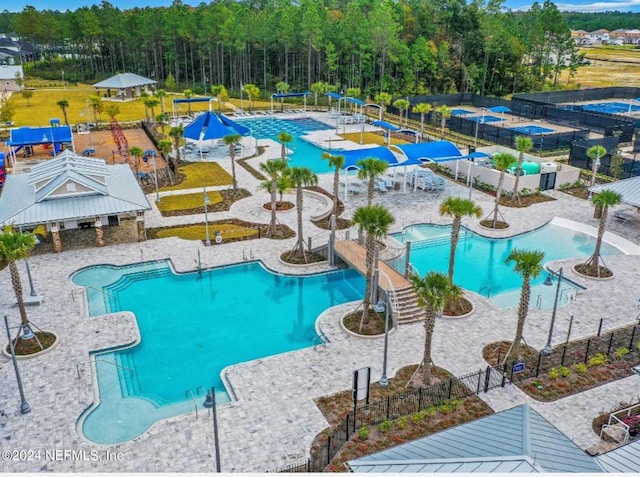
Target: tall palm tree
383 99
523 145
317 88
422 109
433 291
282 87
284 138
161 94
273 168
374 221
231 140
528 264
151 103
501 161
595 153
402 105
604 200
252 92
63 104
14 246
300 177
370 169
112 110
444 113
457 207
97 106
136 152
336 162
176 133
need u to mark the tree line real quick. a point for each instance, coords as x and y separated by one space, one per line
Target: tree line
404 47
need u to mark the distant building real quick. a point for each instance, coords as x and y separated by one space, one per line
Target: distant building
8 77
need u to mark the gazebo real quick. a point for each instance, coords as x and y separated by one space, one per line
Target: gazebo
127 85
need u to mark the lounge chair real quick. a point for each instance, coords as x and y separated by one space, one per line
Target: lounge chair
381 186
623 215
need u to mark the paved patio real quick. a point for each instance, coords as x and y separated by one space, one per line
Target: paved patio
274 419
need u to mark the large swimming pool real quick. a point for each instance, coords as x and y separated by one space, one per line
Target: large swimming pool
304 153
480 261
192 326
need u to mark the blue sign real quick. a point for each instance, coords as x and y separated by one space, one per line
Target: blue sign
518 368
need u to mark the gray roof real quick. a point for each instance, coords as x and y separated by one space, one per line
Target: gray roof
622 459
629 189
519 439
102 189
124 80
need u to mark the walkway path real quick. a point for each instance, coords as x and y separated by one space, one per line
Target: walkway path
274 419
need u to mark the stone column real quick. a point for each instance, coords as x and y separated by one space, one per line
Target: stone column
99 232
55 235
142 235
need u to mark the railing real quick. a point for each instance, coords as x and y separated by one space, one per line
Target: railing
615 421
392 296
319 239
394 249
247 254
487 288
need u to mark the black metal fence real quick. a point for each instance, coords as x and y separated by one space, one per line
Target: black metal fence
578 157
393 407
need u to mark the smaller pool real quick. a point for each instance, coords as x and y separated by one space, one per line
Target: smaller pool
486 119
460 112
532 130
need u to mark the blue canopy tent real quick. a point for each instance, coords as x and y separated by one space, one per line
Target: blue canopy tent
289 95
436 151
205 99
352 157
237 127
54 134
500 109
208 127
389 128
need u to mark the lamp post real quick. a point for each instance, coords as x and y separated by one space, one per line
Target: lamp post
24 405
33 290
475 137
471 163
594 170
155 177
210 403
64 85
207 241
548 349
386 307
339 114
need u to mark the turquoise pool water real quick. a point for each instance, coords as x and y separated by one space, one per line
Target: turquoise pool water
305 154
480 262
193 326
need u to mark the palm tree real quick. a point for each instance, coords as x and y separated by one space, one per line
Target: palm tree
252 92
444 113
97 105
64 104
501 162
374 220
300 177
284 138
433 291
523 145
528 263
188 94
176 133
371 168
14 246
402 105
282 87
112 111
161 94
457 207
317 88
604 200
151 103
595 153
383 99
336 162
136 153
423 109
273 168
231 140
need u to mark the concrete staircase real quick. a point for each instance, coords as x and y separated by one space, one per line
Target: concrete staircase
408 310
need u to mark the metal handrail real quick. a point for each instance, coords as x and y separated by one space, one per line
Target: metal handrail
391 294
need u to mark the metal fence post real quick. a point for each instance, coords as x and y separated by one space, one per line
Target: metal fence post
564 352
586 351
420 399
479 381
600 326
610 343
538 364
487 376
388 406
450 386
633 335
329 450
346 438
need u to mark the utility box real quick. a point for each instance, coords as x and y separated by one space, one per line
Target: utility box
547 167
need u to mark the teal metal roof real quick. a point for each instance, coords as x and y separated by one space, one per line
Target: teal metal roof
518 437
623 459
124 80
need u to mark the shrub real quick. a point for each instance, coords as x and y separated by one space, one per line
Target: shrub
622 352
555 373
385 426
402 422
363 432
598 359
580 368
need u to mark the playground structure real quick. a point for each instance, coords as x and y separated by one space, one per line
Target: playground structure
3 171
54 137
122 145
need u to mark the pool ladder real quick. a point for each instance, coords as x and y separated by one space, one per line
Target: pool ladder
189 394
247 254
487 288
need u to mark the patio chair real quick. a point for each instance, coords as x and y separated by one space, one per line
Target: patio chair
623 215
381 186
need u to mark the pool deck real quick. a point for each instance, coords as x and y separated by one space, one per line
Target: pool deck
274 419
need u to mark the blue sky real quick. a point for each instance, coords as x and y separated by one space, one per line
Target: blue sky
572 5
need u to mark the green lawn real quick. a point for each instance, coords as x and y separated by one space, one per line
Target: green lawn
198 231
187 201
201 174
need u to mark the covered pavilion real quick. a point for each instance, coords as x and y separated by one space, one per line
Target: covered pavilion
127 85
282 96
25 138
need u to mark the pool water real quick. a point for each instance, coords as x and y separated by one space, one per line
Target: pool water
611 107
192 326
532 130
486 119
480 261
304 153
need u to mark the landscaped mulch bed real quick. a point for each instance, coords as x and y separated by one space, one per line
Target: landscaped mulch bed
591 271
298 258
24 347
374 327
228 198
579 192
325 223
494 353
280 206
457 307
500 225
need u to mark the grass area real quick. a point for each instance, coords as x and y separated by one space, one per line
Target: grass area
187 201
198 231
201 174
622 67
370 138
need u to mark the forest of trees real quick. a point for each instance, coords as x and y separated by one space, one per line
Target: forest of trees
403 47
